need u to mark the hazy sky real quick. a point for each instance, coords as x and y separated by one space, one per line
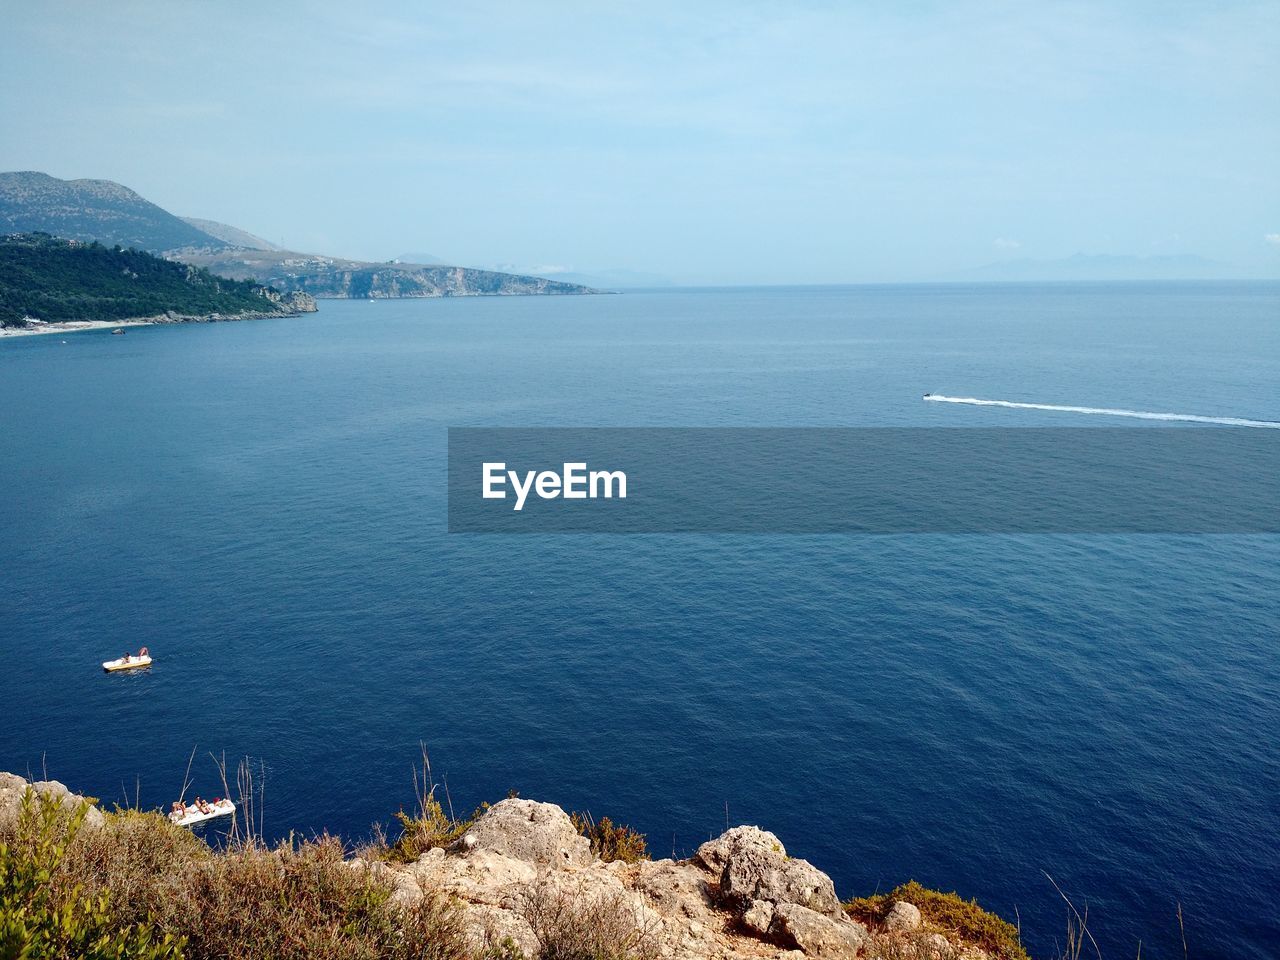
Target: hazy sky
707 142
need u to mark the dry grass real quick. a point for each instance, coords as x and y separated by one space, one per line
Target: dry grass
303 901
296 901
1079 942
134 857
571 924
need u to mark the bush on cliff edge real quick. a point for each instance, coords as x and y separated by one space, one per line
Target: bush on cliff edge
947 913
611 841
139 887
38 920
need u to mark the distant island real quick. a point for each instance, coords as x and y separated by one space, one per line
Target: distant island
109 213
48 283
1084 267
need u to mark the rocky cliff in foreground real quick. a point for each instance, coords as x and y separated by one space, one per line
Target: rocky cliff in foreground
521 881
739 896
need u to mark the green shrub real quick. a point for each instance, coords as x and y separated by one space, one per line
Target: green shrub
948 913
43 916
611 841
431 827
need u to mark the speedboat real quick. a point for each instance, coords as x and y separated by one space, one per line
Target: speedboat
193 814
127 663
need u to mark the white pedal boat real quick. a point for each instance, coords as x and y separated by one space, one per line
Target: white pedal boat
129 663
192 814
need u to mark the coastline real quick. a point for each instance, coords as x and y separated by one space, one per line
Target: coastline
78 326
70 326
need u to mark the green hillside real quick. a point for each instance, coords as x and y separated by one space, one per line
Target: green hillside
50 279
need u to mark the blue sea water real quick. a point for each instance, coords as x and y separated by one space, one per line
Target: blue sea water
263 505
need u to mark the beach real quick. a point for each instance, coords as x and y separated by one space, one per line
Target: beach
70 326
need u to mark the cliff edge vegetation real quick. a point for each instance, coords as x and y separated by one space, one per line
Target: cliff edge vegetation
518 880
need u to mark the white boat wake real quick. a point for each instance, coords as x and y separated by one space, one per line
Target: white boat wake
1107 412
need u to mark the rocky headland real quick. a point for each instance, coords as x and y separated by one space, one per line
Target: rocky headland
53 285
337 278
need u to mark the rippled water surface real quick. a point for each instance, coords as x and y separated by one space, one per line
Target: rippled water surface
262 504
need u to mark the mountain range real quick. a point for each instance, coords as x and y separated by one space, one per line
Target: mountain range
230 235
89 210
111 214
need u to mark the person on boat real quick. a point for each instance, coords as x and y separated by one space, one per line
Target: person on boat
178 808
202 806
125 658
143 653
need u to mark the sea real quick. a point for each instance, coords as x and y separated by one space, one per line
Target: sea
1024 719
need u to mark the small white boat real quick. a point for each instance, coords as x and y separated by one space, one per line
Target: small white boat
127 663
193 814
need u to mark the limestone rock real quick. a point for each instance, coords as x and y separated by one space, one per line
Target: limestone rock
406 887
755 866
481 876
676 888
489 926
938 947
818 935
919 945
13 788
715 853
758 917
902 916
538 833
